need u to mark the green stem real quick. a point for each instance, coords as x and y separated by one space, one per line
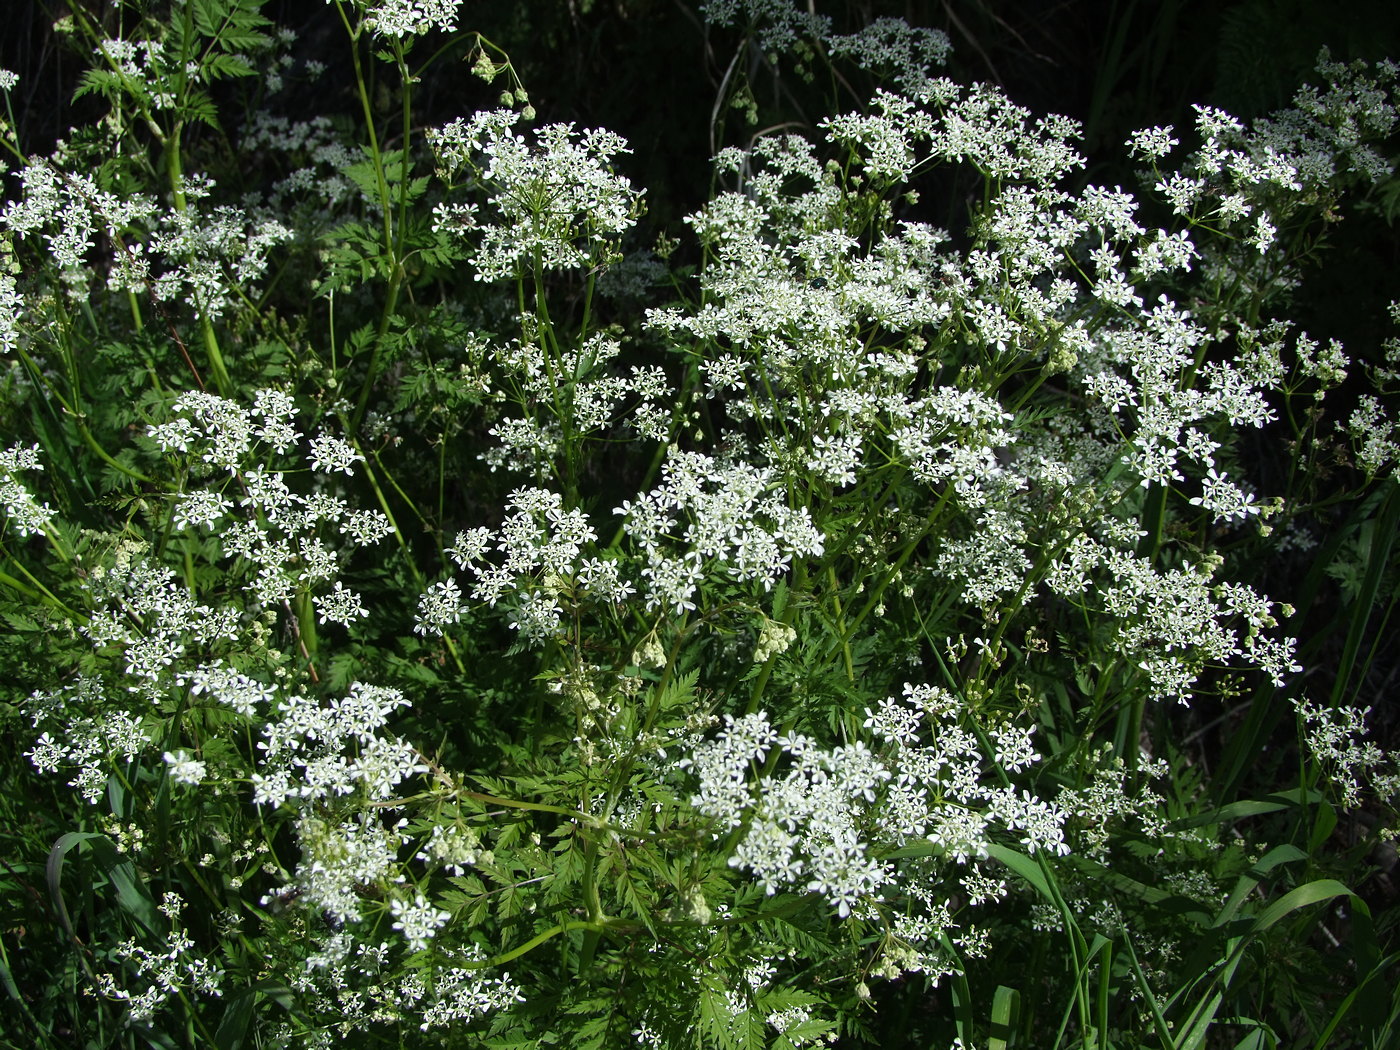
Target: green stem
34 590
536 941
175 171
306 622
840 621
799 584
537 807
592 902
392 240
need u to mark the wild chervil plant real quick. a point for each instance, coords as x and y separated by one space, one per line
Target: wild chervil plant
437 619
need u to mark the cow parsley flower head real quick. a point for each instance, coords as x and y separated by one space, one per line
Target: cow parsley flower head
184 768
439 607
1152 143
417 920
908 52
777 24
341 605
400 18
26 513
201 509
556 200
330 454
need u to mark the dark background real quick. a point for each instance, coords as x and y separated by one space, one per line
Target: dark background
649 68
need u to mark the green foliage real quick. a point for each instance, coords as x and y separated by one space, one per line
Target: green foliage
432 619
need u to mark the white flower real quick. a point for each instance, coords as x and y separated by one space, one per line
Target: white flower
438 607
1264 234
556 201
28 515
1226 500
366 527
200 508
11 308
331 453
341 606
184 769
1152 143
418 921
398 18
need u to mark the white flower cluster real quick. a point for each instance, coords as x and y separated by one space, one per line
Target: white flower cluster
173 969
149 612
206 258
336 766
1109 801
952 437
991 561
319 159
93 743
1152 144
543 566
908 53
318 757
352 979
774 637
456 848
341 857
890 47
12 309
417 920
571 388
460 994
1172 622
556 203
185 768
1375 436
1261 175
316 752
818 821
777 24
1325 133
793 294
786 278
1166 423
223 685
400 18
25 513
1334 737
737 525
1372 428
277 532
70 213
145 67
977 125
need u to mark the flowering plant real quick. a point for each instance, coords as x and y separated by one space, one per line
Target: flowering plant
524 643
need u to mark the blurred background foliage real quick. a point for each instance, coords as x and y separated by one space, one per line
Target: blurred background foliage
650 69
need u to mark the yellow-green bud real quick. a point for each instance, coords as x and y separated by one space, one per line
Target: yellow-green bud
485 68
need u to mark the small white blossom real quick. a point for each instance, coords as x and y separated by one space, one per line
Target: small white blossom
438 608
329 454
399 18
184 768
341 605
418 920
